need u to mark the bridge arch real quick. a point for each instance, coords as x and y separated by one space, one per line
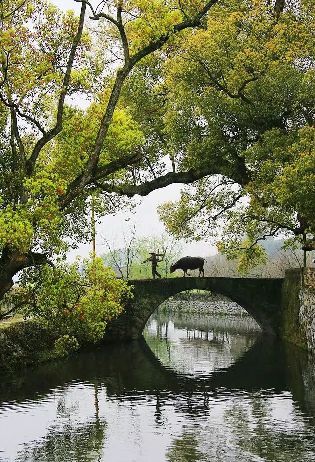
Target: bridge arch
261 298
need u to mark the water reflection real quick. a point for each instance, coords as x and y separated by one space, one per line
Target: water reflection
210 344
194 391
71 442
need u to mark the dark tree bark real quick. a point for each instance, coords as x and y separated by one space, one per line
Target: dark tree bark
279 7
11 262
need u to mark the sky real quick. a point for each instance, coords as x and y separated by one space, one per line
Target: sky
116 228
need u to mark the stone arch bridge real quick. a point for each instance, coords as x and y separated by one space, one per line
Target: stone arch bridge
261 298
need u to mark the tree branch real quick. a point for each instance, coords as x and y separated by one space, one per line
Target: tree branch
158 43
14 308
272 222
5 68
99 173
89 5
204 205
226 208
64 90
119 24
27 117
123 36
223 88
261 238
278 8
15 10
144 189
16 134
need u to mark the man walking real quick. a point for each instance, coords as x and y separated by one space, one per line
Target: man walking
155 259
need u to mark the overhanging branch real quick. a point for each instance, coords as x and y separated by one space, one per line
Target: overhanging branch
24 116
145 188
158 43
98 174
12 12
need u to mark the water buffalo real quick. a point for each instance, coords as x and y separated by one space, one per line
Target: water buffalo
187 263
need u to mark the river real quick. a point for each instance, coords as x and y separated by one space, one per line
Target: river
198 388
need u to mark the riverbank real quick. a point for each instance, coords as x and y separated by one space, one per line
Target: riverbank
24 344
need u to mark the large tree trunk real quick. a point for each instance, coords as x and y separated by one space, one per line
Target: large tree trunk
11 262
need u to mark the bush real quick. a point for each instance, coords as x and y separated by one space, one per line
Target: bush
23 344
74 304
65 345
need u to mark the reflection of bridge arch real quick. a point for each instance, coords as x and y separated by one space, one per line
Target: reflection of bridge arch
261 298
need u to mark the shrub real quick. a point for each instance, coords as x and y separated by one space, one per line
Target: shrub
74 304
65 345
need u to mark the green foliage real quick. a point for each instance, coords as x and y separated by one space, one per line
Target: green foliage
73 145
36 44
38 38
35 41
23 344
156 18
15 229
201 210
246 253
233 99
38 221
241 105
74 304
65 345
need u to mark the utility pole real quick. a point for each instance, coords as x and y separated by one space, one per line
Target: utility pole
93 226
304 250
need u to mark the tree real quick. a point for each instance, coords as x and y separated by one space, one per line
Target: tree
241 104
54 156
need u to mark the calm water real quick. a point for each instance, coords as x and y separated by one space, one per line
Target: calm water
199 389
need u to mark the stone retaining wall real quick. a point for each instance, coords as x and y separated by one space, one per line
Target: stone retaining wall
298 308
309 278
207 303
307 308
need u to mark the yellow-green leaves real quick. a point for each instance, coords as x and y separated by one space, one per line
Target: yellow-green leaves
124 135
74 303
42 205
233 98
295 186
76 142
247 254
16 230
35 43
155 18
38 220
